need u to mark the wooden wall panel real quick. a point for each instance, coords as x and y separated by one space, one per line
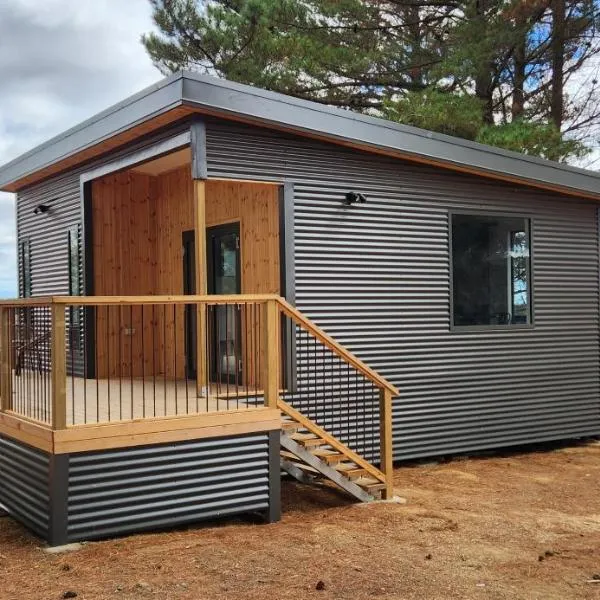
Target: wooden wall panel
124 242
256 207
138 224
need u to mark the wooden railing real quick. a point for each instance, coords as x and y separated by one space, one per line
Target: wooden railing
78 361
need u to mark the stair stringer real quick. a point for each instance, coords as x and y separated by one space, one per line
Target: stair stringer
319 465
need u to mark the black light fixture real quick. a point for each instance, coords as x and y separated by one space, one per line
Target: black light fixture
40 209
352 197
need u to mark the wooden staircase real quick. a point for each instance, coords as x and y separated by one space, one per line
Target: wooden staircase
312 455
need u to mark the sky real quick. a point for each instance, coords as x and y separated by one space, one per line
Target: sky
62 61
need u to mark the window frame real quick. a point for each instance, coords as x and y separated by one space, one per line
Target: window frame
530 270
25 271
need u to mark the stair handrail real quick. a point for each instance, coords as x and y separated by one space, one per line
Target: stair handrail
337 348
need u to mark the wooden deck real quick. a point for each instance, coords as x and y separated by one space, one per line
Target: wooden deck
111 400
103 400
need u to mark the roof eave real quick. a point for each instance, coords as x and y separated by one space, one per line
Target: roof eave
139 108
268 109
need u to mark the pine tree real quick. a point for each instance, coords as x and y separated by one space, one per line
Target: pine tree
497 71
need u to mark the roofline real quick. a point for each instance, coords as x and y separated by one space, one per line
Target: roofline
246 103
142 106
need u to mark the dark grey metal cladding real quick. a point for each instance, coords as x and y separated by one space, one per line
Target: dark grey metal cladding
119 491
24 484
376 276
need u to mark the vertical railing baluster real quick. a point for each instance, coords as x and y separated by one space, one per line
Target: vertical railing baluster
131 390
175 372
143 358
108 363
120 351
153 324
186 353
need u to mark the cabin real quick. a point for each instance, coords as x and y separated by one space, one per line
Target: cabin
218 283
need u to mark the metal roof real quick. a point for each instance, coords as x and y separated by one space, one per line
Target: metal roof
203 94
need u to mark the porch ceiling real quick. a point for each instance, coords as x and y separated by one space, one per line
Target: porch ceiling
184 94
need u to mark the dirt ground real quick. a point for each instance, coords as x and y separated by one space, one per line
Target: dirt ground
521 525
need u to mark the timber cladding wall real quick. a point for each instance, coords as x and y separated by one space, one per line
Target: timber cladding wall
138 223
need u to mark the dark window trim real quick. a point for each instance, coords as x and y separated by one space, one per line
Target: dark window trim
492 328
25 273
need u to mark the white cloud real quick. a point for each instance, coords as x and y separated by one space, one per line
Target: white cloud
61 61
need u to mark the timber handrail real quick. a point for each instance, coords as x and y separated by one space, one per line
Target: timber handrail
137 300
336 347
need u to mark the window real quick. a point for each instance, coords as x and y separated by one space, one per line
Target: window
25 268
74 261
74 249
491 270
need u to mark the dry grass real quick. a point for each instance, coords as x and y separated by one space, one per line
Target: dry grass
516 526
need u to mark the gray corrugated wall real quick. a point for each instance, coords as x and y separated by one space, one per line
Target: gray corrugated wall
24 484
376 276
119 491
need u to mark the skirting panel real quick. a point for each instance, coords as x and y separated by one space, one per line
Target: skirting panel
133 489
24 491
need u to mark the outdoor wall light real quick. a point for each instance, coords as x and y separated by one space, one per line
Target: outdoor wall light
40 209
352 197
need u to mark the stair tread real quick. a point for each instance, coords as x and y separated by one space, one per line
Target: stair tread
308 439
370 484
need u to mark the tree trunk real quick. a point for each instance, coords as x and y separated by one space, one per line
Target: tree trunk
558 62
518 95
483 78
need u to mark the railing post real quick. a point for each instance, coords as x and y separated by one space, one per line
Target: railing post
385 433
58 364
202 346
271 363
5 370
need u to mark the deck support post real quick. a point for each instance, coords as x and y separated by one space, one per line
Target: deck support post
5 368
58 493
270 345
201 286
386 448
59 367
274 512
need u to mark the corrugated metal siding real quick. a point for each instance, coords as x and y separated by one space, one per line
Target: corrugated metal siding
48 232
376 276
119 491
24 484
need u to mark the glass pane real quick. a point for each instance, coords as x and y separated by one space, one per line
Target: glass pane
226 259
490 270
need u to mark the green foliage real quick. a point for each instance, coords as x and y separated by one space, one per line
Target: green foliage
444 112
536 139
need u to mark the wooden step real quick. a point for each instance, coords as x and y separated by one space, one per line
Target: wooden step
290 426
351 471
329 456
308 440
370 485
